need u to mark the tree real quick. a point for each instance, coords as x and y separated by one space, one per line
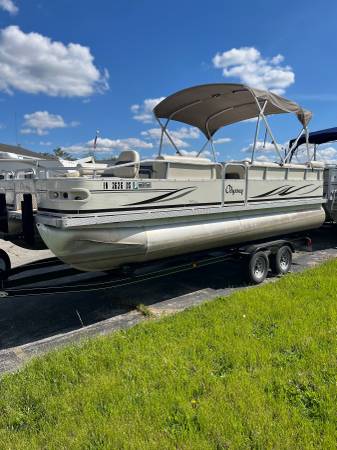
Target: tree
45 154
59 153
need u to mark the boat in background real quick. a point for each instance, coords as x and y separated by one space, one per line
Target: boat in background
19 168
315 139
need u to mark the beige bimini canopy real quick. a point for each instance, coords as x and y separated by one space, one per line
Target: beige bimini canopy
209 107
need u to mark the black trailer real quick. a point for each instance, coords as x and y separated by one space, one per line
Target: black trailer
255 259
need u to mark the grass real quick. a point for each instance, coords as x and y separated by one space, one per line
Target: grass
256 370
145 310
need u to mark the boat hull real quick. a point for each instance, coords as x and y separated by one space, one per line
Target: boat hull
108 246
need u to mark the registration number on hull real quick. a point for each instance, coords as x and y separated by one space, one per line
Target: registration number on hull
126 185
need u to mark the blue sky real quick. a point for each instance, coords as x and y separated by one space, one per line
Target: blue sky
68 68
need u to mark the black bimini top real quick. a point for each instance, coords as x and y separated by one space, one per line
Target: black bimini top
318 137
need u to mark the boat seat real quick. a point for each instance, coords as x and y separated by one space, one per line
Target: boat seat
125 157
235 172
90 168
232 176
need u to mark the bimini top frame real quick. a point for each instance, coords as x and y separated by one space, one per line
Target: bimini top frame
315 138
210 107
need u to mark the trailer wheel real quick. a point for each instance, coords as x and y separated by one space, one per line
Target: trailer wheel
5 265
258 267
281 262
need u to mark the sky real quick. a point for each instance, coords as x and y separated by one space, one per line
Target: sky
69 68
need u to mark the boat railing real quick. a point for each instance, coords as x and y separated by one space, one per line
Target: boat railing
49 172
7 175
19 174
96 173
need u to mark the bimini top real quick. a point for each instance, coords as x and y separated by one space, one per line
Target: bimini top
209 107
318 137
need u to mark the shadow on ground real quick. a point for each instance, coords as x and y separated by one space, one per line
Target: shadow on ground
27 319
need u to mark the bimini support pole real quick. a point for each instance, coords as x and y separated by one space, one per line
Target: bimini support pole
202 148
164 127
210 138
257 131
307 143
213 149
269 129
290 153
164 131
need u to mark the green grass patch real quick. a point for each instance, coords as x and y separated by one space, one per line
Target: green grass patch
255 370
145 310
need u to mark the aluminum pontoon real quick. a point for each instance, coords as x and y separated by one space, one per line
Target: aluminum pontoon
137 211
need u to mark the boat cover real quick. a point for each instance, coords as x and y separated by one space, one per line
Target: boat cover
317 137
209 107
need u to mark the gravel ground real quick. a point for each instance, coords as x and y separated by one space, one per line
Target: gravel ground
20 256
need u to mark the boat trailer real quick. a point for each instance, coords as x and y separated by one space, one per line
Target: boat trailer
257 259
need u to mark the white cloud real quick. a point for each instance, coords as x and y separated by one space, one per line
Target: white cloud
224 140
179 136
261 147
46 143
40 122
261 158
33 63
328 154
204 154
143 112
264 158
325 153
9 6
248 65
108 145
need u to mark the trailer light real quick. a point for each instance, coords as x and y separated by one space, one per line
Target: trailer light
65 194
55 194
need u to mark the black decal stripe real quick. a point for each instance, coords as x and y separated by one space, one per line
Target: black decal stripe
283 191
94 211
184 205
272 199
130 191
161 197
312 190
182 194
266 194
290 191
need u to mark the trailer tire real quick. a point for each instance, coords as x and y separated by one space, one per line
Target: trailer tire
281 261
5 265
258 266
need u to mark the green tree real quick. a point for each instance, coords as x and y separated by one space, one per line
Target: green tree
59 153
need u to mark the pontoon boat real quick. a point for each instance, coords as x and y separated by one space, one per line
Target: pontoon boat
140 210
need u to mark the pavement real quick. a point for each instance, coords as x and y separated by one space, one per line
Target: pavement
19 255
33 325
